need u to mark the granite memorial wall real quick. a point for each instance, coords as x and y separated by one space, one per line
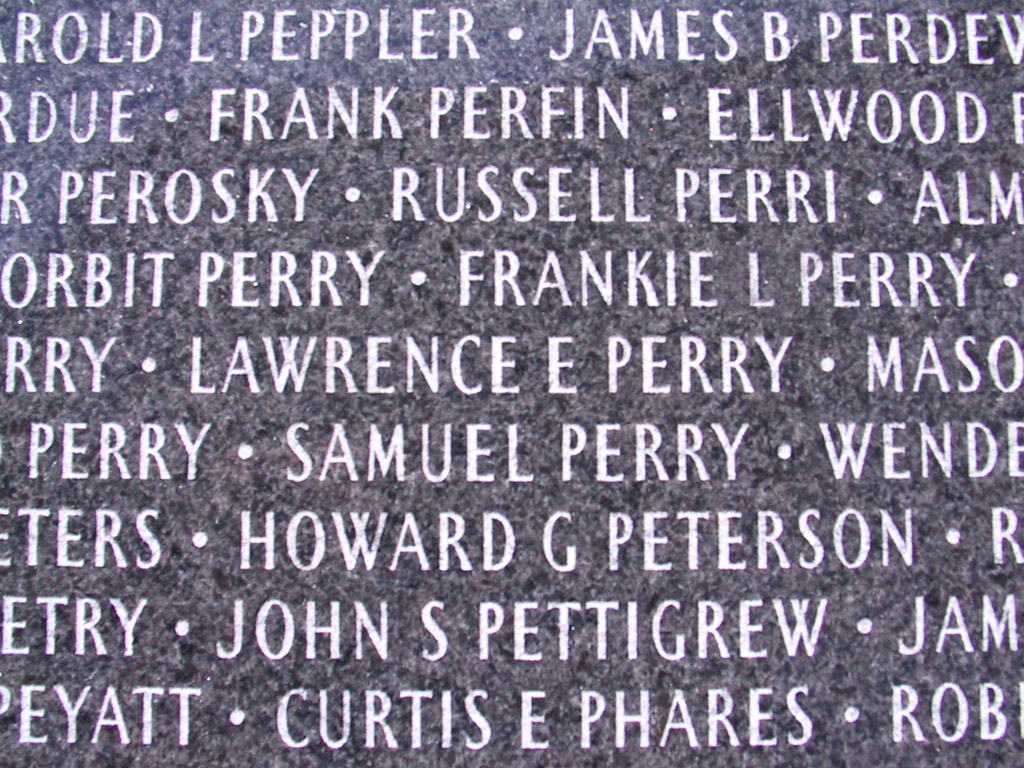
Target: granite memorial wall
511 383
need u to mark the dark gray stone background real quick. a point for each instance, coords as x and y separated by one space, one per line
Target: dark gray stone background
200 585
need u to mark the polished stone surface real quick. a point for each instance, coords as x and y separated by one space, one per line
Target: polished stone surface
777 531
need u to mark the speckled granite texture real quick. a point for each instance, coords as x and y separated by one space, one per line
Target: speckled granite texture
688 615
